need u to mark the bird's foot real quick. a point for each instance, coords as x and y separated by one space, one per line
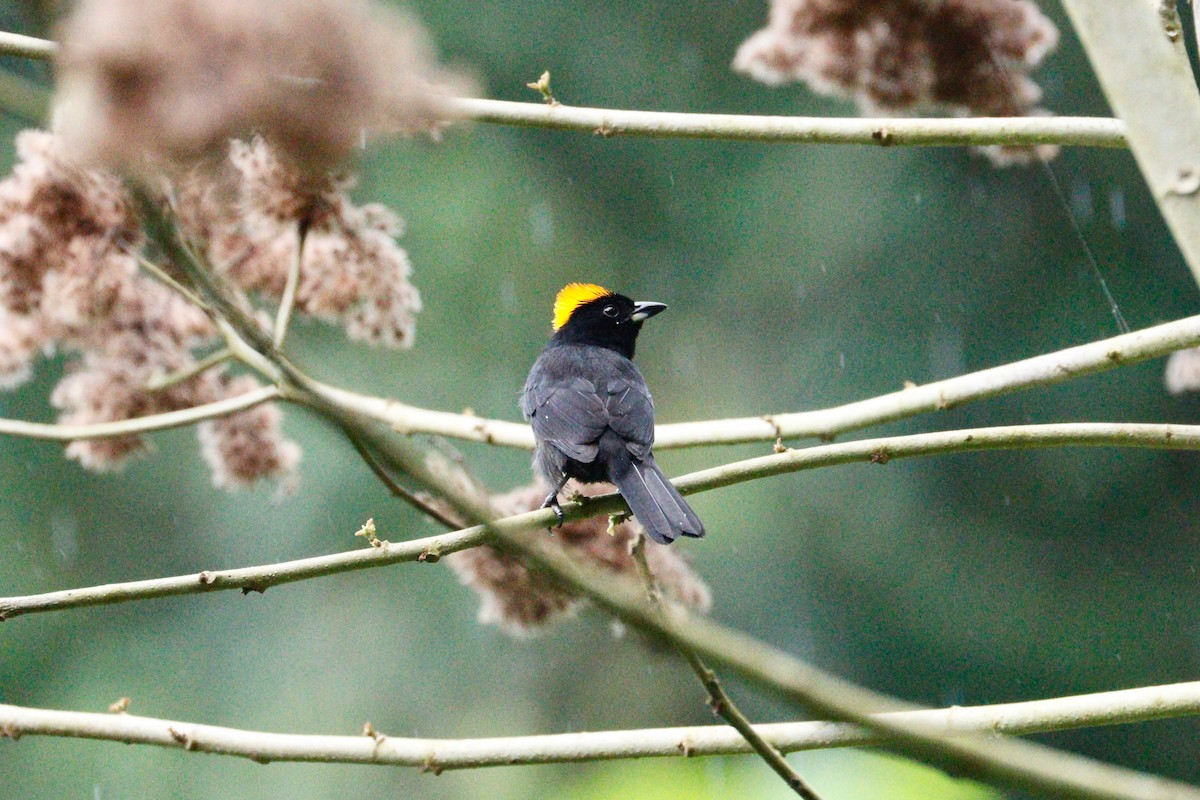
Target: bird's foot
552 502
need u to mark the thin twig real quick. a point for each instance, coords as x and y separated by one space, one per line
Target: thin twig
248 579
152 422
1081 131
1037 716
211 291
870 451
938 132
213 359
288 301
161 275
21 46
414 499
718 700
1042 370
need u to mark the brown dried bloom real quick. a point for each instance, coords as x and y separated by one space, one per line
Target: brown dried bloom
521 600
68 279
1183 371
176 79
20 340
111 386
894 56
59 224
353 270
242 448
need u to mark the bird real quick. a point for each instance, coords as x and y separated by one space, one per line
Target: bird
592 414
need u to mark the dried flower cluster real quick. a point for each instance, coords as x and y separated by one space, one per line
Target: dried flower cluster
247 220
171 80
161 88
521 600
69 279
893 56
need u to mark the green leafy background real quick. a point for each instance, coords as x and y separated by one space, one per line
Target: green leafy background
798 277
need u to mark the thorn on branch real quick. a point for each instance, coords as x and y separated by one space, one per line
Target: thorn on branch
261 588
880 456
120 706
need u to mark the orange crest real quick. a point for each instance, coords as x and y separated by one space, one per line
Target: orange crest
572 296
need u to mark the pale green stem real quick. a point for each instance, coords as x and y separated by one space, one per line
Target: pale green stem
1080 131
288 301
1043 370
1037 716
934 132
211 360
139 425
21 46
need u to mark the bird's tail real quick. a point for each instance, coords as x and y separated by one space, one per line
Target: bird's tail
654 501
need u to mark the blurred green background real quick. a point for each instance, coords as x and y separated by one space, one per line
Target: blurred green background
798 277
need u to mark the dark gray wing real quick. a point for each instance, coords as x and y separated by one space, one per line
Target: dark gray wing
631 411
571 412
568 414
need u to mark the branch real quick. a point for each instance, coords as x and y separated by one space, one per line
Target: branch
1080 131
1140 59
137 425
436 755
247 579
938 132
167 380
288 300
873 451
16 44
1043 370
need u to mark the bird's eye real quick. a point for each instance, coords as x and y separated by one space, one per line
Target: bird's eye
610 311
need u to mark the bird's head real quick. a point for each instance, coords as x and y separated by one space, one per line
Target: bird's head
585 313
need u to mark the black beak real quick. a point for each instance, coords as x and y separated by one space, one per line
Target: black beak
645 309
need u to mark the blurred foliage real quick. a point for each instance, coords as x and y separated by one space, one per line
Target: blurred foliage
798 277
